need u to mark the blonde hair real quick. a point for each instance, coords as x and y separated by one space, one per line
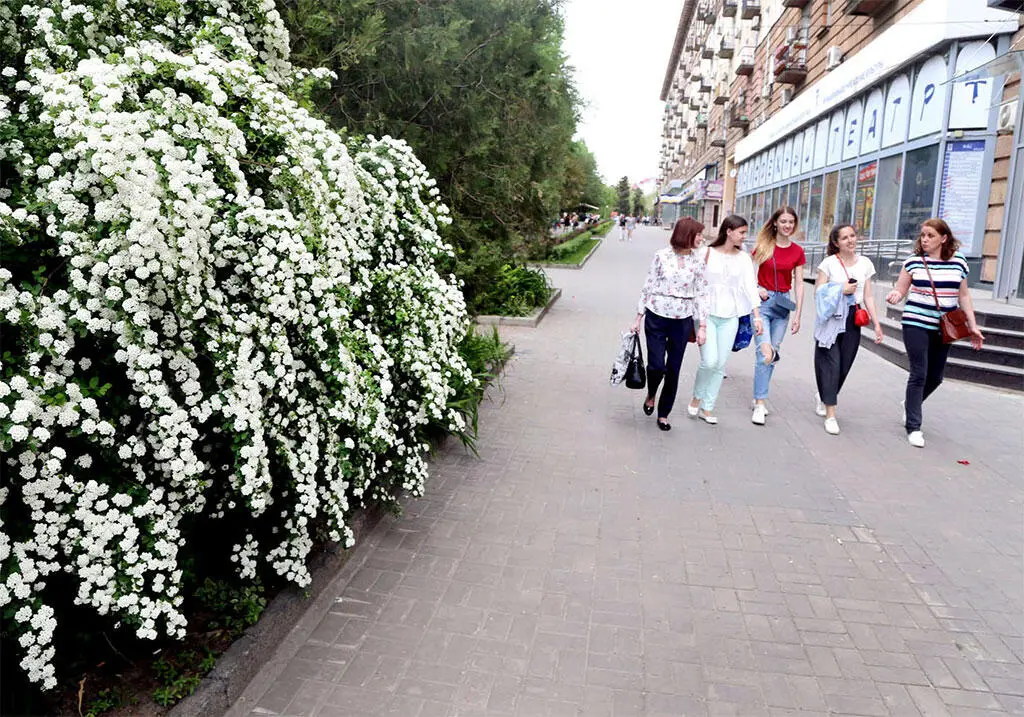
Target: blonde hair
768 234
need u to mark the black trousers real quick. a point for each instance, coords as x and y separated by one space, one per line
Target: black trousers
666 343
832 365
927 354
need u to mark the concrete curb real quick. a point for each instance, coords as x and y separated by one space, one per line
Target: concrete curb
530 321
237 667
552 265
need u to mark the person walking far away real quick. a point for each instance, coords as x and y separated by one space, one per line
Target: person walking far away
934 282
622 227
630 226
780 263
732 290
842 289
673 304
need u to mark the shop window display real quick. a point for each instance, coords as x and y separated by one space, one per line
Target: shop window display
828 205
918 198
887 197
864 202
813 218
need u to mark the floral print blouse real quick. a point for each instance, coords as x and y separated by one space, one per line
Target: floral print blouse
676 286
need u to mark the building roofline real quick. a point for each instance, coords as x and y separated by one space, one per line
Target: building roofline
677 46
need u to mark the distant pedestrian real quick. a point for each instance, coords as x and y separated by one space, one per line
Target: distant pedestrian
843 287
622 227
780 262
732 288
934 282
630 226
673 304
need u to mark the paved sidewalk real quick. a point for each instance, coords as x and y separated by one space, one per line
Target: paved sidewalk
588 564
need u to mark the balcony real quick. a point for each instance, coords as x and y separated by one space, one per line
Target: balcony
703 86
729 8
791 70
795 3
866 7
707 52
721 93
726 47
738 118
694 103
749 9
702 120
695 73
704 11
745 64
718 140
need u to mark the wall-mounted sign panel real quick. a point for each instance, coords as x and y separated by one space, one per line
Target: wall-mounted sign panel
821 143
897 111
961 190
929 100
972 98
851 135
835 137
871 132
808 159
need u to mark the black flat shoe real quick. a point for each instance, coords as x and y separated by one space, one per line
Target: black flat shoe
664 425
648 410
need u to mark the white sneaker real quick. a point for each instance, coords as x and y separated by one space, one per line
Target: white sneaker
832 426
759 414
903 407
916 439
819 407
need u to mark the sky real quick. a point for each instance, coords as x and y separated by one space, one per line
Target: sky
619 51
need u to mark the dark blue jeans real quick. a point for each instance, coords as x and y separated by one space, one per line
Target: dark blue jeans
665 337
927 354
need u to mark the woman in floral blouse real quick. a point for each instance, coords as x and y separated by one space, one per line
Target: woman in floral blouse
673 304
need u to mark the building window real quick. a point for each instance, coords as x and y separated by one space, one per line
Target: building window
918 189
828 205
887 197
804 196
845 197
814 209
864 204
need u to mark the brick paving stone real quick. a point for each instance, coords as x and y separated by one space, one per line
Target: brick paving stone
587 564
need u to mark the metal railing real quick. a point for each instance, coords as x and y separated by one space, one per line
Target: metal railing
886 254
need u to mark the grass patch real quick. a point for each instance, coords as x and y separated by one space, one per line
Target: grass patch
576 254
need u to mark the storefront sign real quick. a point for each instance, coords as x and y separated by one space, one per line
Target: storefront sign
929 24
787 157
820 143
808 160
961 190
972 97
929 100
714 190
871 134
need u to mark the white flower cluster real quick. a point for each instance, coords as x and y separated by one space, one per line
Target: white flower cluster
217 315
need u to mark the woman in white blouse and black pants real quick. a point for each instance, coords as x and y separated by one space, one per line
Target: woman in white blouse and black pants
733 293
673 304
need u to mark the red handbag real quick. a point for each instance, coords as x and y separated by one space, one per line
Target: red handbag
861 317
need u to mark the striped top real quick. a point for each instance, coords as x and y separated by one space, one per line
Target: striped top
920 307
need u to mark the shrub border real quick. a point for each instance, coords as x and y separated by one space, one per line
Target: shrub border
530 321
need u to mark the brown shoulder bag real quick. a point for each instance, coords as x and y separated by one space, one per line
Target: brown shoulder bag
953 325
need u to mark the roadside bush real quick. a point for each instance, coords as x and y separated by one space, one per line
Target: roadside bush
223 323
562 250
517 291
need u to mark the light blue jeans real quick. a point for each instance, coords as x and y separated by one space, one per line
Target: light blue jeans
776 321
719 336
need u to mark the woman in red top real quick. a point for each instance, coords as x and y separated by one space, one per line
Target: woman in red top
780 262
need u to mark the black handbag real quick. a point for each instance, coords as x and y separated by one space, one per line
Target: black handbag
636 374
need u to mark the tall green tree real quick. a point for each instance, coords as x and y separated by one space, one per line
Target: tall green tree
479 88
622 189
639 202
583 183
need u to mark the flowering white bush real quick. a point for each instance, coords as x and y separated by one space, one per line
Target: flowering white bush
221 320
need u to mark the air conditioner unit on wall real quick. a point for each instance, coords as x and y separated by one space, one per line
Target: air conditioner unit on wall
1007 117
834 57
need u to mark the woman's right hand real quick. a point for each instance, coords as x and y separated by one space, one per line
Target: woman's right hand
894 297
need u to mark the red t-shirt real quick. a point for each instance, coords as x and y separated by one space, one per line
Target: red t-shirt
781 264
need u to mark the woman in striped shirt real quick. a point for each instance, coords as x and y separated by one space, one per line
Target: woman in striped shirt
936 253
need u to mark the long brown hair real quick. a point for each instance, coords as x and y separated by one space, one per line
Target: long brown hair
833 238
685 234
733 221
769 233
949 247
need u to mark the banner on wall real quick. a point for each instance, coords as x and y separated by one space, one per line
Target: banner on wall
962 170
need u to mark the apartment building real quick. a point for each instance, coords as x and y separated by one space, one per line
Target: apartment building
876 112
